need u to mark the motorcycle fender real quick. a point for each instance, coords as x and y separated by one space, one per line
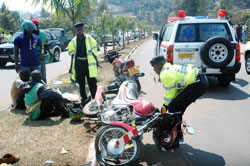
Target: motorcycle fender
124 125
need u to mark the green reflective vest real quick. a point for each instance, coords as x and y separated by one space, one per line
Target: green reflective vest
32 102
90 49
175 78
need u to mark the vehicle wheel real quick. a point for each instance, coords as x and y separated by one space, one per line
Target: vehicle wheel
90 109
2 64
217 52
107 153
224 81
247 63
56 55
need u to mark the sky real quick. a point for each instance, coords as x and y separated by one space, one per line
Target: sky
21 5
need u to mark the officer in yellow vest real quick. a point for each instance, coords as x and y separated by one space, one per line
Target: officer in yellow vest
84 63
182 84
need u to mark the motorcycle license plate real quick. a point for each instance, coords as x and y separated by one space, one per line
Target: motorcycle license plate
186 55
133 70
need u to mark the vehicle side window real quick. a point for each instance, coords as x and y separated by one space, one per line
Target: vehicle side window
211 30
53 36
186 33
48 37
168 33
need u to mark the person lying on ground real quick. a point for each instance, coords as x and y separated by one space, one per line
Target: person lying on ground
41 100
16 90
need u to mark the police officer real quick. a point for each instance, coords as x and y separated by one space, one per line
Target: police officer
84 63
182 84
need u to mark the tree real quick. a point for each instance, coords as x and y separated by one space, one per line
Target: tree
74 9
122 23
44 13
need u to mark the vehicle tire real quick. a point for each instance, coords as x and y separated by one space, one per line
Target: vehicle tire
105 139
217 52
56 55
247 63
2 64
224 81
90 109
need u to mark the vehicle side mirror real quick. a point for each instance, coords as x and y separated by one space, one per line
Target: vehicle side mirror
155 36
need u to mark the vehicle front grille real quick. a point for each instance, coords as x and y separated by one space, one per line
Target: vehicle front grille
6 51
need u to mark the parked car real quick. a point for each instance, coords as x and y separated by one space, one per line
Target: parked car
61 36
209 44
247 58
7 49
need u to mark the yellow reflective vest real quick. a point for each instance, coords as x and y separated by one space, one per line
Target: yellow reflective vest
90 49
176 78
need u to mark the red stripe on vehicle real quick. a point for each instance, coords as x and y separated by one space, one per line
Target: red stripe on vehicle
126 138
134 131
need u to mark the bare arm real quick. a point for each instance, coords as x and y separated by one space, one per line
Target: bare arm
17 66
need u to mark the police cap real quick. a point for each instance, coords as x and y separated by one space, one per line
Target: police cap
157 59
79 24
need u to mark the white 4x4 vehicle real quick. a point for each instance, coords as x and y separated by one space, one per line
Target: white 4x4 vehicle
247 58
209 44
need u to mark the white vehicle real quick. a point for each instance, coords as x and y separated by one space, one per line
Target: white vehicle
247 58
209 44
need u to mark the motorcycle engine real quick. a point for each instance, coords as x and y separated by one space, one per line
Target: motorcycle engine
111 115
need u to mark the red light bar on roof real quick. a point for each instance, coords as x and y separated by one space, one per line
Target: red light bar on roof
181 14
222 13
173 19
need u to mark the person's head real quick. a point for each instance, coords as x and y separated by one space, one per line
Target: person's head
157 62
2 32
28 27
24 75
36 75
11 32
79 28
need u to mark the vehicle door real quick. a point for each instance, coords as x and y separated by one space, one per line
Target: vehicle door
187 45
164 39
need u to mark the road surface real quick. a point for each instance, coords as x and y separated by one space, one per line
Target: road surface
220 119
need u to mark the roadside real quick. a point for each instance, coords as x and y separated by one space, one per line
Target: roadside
38 141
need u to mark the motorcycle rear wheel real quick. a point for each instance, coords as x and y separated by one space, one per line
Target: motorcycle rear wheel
90 109
104 137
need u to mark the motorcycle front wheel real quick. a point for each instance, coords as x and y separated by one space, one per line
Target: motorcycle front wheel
90 109
107 153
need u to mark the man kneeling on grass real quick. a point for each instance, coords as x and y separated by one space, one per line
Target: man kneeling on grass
42 101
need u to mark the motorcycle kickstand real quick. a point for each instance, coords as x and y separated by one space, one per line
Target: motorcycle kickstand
92 128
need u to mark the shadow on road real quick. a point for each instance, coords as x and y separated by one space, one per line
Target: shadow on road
183 156
233 92
45 122
8 67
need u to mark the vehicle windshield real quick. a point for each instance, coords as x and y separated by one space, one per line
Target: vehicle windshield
13 37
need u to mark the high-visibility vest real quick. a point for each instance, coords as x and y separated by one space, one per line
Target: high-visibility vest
32 102
90 50
175 78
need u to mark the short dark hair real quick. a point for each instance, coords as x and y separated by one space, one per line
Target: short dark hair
24 75
36 75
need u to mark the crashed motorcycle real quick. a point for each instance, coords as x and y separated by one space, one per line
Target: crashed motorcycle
113 107
118 143
124 69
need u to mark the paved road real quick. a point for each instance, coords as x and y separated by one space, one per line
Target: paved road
220 119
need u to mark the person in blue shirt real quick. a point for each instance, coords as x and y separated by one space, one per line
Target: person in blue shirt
27 43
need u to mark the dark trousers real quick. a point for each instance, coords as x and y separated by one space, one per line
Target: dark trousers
187 96
52 107
82 72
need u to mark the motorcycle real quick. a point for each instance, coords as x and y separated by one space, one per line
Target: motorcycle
118 143
124 69
113 107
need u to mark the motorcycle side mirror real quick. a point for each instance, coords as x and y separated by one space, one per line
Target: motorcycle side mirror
190 130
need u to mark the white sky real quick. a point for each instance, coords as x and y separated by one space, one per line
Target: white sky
21 5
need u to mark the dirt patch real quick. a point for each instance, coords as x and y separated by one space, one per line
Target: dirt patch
38 141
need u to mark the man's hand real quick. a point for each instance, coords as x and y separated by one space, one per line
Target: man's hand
17 67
